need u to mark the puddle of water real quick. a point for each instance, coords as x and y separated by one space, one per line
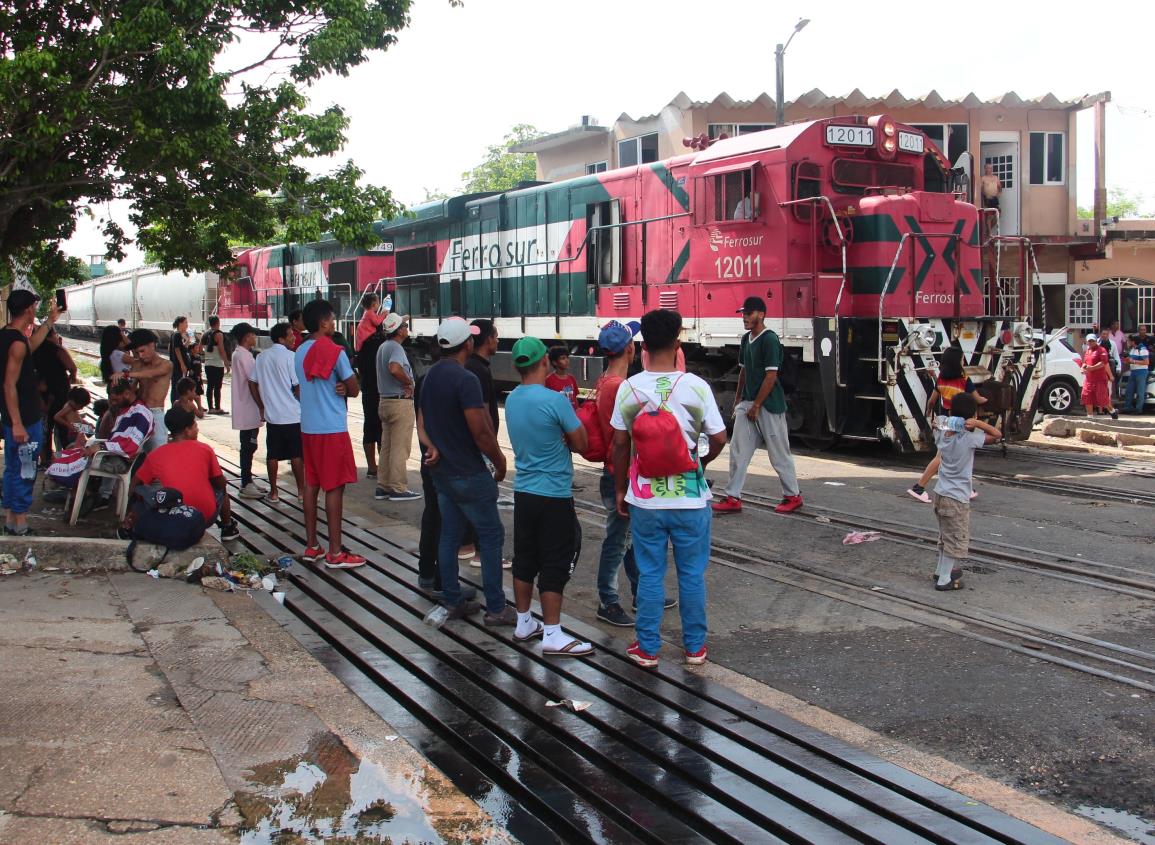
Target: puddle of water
1137 828
330 795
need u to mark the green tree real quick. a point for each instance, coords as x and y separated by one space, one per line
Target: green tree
503 168
135 100
1121 203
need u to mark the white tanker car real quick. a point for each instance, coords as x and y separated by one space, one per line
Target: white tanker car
146 298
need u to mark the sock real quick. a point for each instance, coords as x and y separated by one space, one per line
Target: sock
524 624
942 571
916 487
552 631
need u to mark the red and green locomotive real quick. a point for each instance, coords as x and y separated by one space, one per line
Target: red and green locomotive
847 227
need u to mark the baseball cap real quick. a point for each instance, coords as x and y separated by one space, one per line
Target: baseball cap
528 351
20 299
241 329
454 332
752 303
615 337
394 322
1091 338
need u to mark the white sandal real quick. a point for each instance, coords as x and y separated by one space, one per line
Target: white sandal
574 648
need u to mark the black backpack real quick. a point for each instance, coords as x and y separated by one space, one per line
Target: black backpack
163 519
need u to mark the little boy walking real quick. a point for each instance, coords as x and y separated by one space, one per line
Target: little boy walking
957 438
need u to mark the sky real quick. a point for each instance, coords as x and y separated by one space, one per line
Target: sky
425 111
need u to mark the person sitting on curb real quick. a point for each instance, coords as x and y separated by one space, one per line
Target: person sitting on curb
191 468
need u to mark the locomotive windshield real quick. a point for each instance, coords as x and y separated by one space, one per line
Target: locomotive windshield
854 175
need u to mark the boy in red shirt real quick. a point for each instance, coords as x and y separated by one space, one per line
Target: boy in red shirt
560 379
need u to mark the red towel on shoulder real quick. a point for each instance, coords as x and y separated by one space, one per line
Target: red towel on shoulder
321 358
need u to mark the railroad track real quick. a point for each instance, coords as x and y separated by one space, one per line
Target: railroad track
658 757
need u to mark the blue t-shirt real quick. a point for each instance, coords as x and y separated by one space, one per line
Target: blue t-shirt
536 418
447 392
1139 357
322 410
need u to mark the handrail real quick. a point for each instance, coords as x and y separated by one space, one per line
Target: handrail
547 262
841 287
890 275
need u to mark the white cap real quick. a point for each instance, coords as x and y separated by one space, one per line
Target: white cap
454 332
394 321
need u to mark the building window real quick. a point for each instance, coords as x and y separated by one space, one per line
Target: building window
640 150
952 139
733 130
1081 310
1048 158
597 167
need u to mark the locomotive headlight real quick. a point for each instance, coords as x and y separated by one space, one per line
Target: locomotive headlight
1023 334
889 145
888 129
920 339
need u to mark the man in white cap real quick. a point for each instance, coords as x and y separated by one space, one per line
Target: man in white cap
454 426
395 410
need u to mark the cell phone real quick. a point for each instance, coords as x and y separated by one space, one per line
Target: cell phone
61 299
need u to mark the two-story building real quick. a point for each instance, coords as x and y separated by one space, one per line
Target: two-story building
1029 143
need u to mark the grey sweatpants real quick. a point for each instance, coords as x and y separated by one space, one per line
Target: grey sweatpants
767 430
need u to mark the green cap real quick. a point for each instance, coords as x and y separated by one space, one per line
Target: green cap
528 351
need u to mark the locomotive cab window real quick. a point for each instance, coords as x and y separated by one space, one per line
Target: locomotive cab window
728 194
807 181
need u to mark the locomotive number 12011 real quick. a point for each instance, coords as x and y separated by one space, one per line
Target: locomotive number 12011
738 266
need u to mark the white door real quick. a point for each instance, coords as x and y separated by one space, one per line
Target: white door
1003 156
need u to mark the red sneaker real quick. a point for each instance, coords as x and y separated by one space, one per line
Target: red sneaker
696 658
344 560
730 504
312 554
789 504
640 657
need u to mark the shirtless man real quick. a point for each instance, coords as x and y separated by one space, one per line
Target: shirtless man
154 373
991 187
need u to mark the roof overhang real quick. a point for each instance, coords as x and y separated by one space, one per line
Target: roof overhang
560 139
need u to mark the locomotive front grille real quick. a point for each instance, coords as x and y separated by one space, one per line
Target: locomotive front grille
668 299
621 299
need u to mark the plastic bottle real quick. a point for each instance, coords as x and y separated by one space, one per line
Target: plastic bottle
388 302
437 616
28 452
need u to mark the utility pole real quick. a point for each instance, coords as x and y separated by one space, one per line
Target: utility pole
779 54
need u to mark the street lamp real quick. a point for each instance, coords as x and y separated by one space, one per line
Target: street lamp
779 51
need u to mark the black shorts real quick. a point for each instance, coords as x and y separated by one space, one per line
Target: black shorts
283 442
371 432
547 540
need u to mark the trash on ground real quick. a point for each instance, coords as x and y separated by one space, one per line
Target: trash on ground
154 574
279 597
856 537
570 704
284 561
9 565
834 483
877 589
392 738
436 617
825 520
216 582
269 583
29 561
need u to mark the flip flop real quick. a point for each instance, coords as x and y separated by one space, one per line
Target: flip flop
955 583
533 635
574 648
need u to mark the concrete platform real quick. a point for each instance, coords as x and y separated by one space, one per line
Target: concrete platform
145 711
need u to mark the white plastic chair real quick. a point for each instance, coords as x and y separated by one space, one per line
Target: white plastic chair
121 481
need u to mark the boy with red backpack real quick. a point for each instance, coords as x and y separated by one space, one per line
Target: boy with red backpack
660 484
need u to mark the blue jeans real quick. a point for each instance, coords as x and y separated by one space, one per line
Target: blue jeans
616 548
470 499
1136 396
689 531
17 490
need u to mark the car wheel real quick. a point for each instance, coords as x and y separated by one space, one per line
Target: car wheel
1059 396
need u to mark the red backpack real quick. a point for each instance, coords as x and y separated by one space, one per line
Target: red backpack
658 440
597 450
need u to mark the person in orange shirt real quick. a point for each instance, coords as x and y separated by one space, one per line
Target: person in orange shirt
371 319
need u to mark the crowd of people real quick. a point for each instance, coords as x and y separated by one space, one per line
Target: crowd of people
653 430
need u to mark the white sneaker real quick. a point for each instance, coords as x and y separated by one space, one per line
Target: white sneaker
251 491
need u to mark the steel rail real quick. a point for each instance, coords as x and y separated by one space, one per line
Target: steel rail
661 756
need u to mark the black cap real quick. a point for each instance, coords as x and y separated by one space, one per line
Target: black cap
141 337
752 303
20 299
241 329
